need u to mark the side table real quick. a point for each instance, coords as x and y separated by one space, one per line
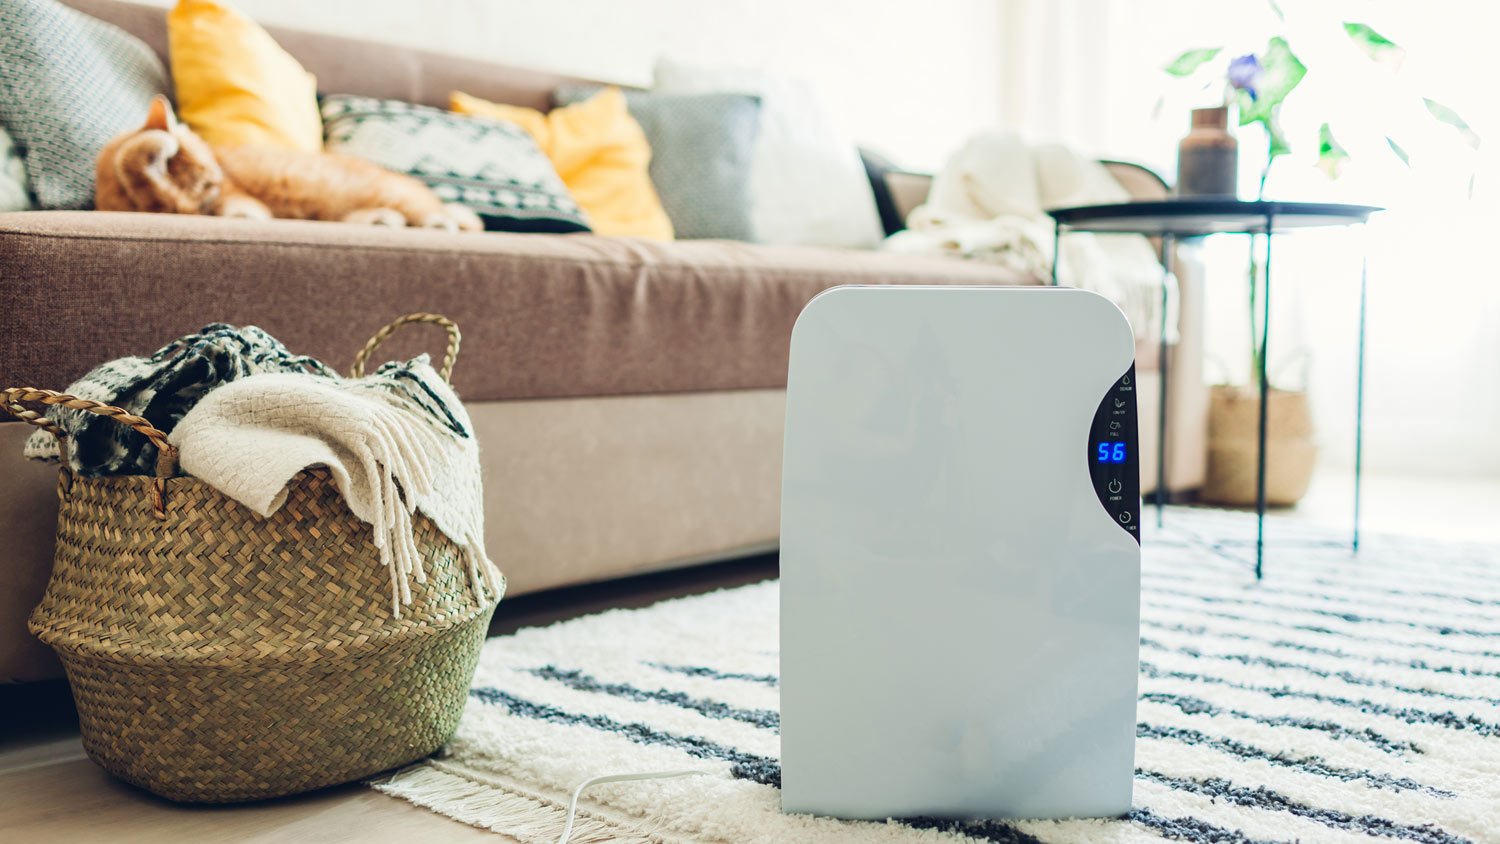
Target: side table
1170 219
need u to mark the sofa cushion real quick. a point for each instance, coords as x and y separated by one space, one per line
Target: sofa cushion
799 153
601 154
543 316
68 84
235 85
701 146
490 166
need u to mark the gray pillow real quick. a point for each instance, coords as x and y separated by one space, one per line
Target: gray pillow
491 166
701 148
68 84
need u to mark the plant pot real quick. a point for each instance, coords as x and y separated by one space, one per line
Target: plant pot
1291 452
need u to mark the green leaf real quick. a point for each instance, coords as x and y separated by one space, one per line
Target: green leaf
1277 143
1281 72
1185 64
1397 149
1331 155
1447 115
1375 45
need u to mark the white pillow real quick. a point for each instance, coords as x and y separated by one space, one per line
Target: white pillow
807 185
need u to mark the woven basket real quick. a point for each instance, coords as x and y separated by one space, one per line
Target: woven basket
216 656
1234 447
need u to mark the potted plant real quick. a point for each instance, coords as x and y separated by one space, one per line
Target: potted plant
1255 85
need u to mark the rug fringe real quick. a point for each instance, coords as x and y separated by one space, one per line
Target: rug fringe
490 807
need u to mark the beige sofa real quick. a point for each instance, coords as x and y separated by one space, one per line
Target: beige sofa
628 395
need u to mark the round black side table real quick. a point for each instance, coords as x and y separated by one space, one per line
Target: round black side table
1186 217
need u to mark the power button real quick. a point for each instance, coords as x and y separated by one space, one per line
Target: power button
1114 485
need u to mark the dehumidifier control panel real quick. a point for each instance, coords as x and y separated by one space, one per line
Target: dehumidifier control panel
1113 455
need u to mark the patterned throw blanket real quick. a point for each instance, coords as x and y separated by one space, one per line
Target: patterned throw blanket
162 387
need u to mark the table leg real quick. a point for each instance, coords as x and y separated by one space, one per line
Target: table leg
1260 453
1167 251
1359 388
1056 250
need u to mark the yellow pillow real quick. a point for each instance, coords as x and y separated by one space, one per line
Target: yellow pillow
235 85
601 154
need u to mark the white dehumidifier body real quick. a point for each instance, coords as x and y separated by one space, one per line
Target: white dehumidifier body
960 556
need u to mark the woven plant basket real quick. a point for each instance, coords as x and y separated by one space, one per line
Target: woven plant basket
1234 447
216 656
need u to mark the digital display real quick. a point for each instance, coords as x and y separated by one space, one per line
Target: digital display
1112 452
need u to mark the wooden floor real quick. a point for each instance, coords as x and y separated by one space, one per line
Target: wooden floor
51 792
73 800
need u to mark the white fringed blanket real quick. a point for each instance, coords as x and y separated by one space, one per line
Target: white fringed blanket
988 205
396 442
1345 699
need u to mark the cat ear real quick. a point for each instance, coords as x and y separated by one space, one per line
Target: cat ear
161 116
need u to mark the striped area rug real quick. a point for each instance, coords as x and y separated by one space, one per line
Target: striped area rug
1345 699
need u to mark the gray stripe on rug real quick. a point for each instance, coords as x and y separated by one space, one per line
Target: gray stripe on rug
762 718
1448 720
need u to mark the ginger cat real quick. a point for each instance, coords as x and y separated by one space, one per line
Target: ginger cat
165 167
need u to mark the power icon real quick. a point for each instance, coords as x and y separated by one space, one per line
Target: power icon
1114 486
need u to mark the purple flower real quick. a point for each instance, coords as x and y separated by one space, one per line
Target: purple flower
1244 73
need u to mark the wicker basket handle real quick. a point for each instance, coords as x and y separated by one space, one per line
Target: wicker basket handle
15 399
450 355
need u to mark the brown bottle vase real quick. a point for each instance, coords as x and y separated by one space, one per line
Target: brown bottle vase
1208 158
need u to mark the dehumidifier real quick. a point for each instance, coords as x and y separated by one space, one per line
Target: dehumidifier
960 555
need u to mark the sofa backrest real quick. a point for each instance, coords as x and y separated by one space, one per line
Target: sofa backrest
349 66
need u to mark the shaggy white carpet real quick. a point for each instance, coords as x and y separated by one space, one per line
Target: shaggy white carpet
1344 699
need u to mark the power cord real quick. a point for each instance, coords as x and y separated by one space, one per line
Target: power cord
649 775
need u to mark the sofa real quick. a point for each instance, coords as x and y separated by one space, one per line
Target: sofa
628 395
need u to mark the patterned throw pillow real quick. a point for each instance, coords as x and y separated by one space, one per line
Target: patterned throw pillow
701 149
69 83
14 195
490 166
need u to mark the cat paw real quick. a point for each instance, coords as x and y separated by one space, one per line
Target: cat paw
244 208
376 217
454 218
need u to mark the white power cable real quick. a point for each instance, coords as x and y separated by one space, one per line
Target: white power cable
649 775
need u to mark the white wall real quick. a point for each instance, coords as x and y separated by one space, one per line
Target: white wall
912 79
